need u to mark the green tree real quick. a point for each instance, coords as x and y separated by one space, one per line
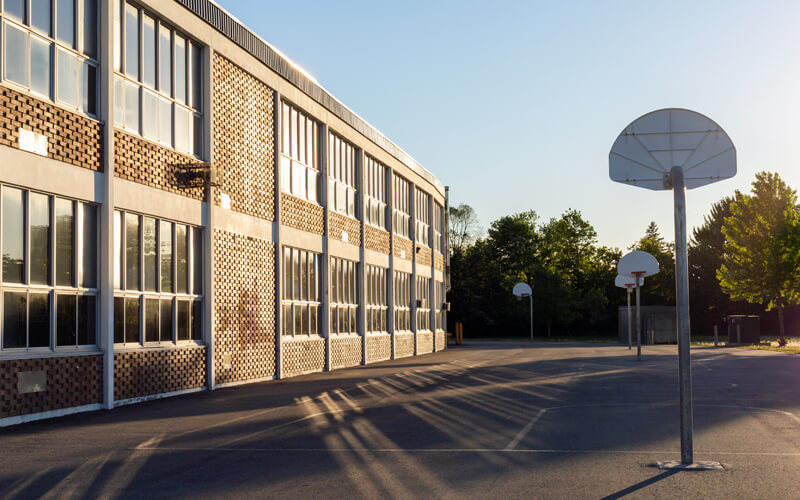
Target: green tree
660 288
760 259
462 227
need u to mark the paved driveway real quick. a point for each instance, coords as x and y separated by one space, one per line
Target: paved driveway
479 421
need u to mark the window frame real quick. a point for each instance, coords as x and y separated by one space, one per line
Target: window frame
292 299
375 180
401 283
401 206
377 299
296 159
344 297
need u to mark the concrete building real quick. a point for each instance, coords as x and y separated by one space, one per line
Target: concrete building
183 209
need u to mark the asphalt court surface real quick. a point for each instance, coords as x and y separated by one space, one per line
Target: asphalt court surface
480 421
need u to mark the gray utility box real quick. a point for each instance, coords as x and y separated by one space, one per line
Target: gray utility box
744 329
658 325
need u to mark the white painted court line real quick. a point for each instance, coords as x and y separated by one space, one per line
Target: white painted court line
525 430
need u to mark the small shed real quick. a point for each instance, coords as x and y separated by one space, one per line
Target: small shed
744 329
658 325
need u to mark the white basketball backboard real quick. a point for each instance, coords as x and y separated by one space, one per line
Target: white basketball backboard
623 281
645 152
522 289
638 263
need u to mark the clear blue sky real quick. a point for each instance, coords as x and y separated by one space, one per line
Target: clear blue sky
515 105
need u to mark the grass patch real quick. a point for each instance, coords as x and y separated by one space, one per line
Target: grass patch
793 349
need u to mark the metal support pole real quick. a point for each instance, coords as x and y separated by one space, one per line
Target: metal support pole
638 322
531 297
682 301
630 326
716 338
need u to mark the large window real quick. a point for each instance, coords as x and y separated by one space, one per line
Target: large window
158 281
344 298
438 227
422 214
402 301
423 305
402 205
299 157
377 300
375 193
439 303
300 300
50 49
49 285
341 175
158 85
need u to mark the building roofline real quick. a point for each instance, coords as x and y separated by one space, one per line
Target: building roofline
238 33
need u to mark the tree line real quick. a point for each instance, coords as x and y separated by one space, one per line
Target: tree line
743 259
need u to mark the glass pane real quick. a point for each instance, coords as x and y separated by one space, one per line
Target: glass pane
312 184
39 218
148 51
132 253
65 22
90 28
117 249
15 319
119 100
88 214
183 319
182 117
13 235
87 320
16 44
197 320
285 129
132 106
165 241
304 276
301 138
312 276
66 320
65 242
296 275
312 323
165 121
304 319
149 237
39 325
165 60
40 67
87 98
197 261
293 127
166 320
132 41
181 258
67 78
117 15
40 15
119 320
150 115
197 135
197 74
298 322
15 9
341 198
180 69
287 274
132 319
286 319
151 320
298 180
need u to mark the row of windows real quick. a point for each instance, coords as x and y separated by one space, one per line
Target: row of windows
52 55
145 319
438 227
375 193
401 207
422 214
299 158
376 299
344 296
342 175
158 85
30 321
300 295
423 306
402 301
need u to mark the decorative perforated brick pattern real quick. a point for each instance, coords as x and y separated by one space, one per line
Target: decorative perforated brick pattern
154 371
440 339
244 287
339 223
403 345
71 137
302 355
244 132
424 257
302 214
345 351
377 239
424 342
438 261
145 162
403 248
71 381
379 347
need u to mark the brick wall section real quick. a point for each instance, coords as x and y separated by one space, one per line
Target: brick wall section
346 350
424 257
244 307
145 162
339 223
154 371
377 239
424 342
403 244
303 355
440 340
71 381
302 214
71 137
244 134
403 344
379 347
438 261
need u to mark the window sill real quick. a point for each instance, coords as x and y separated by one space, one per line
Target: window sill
59 353
184 344
301 338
